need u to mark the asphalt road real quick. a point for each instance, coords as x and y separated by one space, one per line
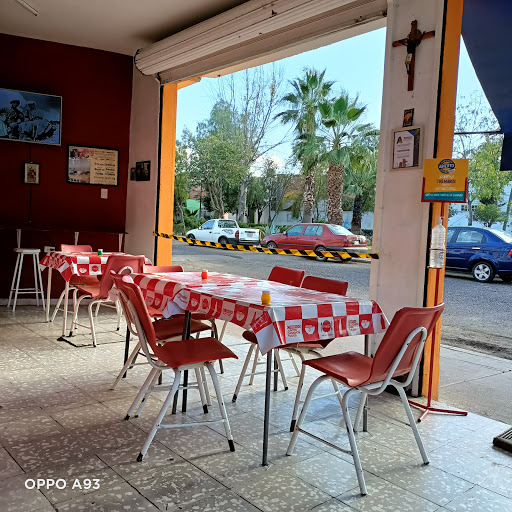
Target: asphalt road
477 315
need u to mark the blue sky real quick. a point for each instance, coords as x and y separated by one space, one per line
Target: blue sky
356 64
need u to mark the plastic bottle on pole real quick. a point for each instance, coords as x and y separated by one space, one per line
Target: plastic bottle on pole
438 245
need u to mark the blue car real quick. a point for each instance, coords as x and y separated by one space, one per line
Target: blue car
483 252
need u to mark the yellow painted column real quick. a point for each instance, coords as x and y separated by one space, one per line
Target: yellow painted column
165 204
445 128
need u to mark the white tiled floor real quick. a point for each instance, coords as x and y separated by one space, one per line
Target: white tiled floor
60 419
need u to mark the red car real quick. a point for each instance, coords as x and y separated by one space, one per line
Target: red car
318 237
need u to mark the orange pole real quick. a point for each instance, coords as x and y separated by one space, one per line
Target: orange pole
445 129
165 213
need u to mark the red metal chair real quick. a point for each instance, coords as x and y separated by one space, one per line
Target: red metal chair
398 354
154 269
282 275
177 356
165 329
75 280
314 348
99 293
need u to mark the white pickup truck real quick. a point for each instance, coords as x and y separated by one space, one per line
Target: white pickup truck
225 232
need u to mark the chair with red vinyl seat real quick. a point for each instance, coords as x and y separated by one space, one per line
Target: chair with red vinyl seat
165 329
75 280
398 354
283 275
313 348
177 356
99 293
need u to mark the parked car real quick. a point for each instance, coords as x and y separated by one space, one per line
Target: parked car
317 237
483 252
225 232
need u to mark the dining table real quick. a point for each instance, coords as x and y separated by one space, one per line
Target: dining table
70 264
294 315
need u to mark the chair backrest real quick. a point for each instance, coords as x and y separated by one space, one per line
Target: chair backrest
75 248
320 284
123 299
285 275
120 264
154 269
143 319
405 321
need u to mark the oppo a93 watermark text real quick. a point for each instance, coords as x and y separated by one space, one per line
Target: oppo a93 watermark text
61 483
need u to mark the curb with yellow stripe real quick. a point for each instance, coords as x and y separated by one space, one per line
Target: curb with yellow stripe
346 255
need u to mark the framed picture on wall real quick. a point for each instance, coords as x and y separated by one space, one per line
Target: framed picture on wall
31 173
89 165
142 171
407 148
30 117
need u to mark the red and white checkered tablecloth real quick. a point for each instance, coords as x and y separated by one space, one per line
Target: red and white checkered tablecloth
77 263
294 315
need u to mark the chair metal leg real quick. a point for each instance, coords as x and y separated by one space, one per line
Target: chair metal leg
141 392
254 364
20 268
242 373
205 385
303 413
91 320
59 302
41 289
148 391
352 441
408 411
127 364
161 415
97 309
297 398
360 409
296 368
222 407
223 331
119 313
281 370
36 284
18 257
200 385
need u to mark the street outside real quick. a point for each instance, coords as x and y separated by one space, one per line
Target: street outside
477 315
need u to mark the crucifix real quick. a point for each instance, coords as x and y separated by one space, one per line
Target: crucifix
412 41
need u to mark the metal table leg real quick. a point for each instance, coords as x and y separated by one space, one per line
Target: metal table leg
365 410
266 420
65 319
48 292
186 336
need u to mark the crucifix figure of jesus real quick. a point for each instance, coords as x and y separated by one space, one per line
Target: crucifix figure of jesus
412 41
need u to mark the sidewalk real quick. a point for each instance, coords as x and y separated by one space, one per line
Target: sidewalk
476 382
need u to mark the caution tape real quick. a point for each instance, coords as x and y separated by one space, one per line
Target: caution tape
346 255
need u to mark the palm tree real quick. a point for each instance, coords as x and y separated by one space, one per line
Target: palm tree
360 180
303 102
339 130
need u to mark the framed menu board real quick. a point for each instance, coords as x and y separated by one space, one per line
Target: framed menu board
93 166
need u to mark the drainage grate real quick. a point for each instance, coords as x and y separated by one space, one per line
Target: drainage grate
504 441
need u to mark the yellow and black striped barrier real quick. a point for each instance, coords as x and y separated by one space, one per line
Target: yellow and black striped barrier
346 255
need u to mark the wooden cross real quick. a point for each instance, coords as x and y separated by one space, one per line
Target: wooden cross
412 41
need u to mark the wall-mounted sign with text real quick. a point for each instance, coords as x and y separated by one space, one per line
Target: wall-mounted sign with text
445 179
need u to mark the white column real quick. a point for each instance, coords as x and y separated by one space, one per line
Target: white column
401 220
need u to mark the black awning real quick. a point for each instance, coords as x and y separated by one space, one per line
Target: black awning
487 31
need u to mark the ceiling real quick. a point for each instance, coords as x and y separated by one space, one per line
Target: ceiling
121 26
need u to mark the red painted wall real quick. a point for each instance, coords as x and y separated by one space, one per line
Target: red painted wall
96 88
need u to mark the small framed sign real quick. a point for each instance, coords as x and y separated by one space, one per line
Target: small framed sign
93 166
407 148
408 117
143 170
31 173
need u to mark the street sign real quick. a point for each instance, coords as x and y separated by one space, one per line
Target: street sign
445 179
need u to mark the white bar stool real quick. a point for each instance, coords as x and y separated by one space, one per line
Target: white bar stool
38 280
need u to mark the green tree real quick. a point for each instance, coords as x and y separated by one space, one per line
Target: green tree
340 129
487 181
361 178
473 114
257 197
303 102
181 183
